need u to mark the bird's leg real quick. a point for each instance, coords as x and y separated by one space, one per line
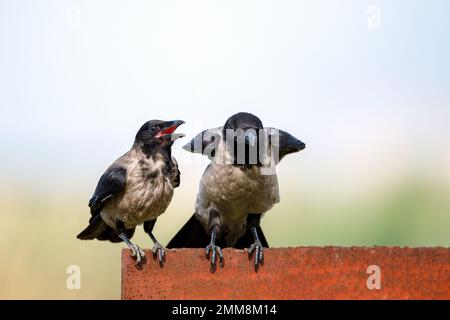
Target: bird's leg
212 251
256 248
136 252
158 249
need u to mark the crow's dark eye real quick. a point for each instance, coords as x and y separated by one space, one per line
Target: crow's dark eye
154 128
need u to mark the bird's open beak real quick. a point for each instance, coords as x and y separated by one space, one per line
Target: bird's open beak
169 128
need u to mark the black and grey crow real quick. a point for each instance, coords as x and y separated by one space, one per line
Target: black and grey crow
136 189
238 186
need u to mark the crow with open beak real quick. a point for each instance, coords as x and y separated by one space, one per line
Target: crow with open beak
237 188
136 189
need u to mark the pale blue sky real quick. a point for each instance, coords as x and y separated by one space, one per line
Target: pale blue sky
370 104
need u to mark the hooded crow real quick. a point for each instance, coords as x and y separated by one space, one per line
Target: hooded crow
136 189
237 188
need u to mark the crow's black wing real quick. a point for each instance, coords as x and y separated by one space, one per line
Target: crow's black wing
111 183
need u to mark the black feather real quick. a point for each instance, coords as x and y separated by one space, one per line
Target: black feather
191 235
110 184
95 228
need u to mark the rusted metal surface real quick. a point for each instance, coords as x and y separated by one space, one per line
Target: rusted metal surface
293 273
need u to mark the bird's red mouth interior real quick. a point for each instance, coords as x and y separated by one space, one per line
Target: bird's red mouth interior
166 131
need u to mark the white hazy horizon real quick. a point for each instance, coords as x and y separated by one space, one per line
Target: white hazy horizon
78 79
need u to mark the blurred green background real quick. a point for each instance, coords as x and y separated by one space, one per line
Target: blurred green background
366 88
38 237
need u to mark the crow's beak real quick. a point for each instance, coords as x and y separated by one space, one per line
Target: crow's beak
169 128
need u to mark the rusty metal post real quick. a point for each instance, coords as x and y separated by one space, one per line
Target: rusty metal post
294 273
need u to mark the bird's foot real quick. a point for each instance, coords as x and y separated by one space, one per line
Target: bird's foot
256 249
212 251
138 255
160 253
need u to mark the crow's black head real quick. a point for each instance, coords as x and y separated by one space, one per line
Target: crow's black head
243 135
243 120
157 133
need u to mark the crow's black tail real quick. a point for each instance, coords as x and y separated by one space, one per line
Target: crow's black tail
98 229
193 235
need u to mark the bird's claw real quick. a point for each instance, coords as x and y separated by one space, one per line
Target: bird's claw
160 253
212 251
138 255
256 249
